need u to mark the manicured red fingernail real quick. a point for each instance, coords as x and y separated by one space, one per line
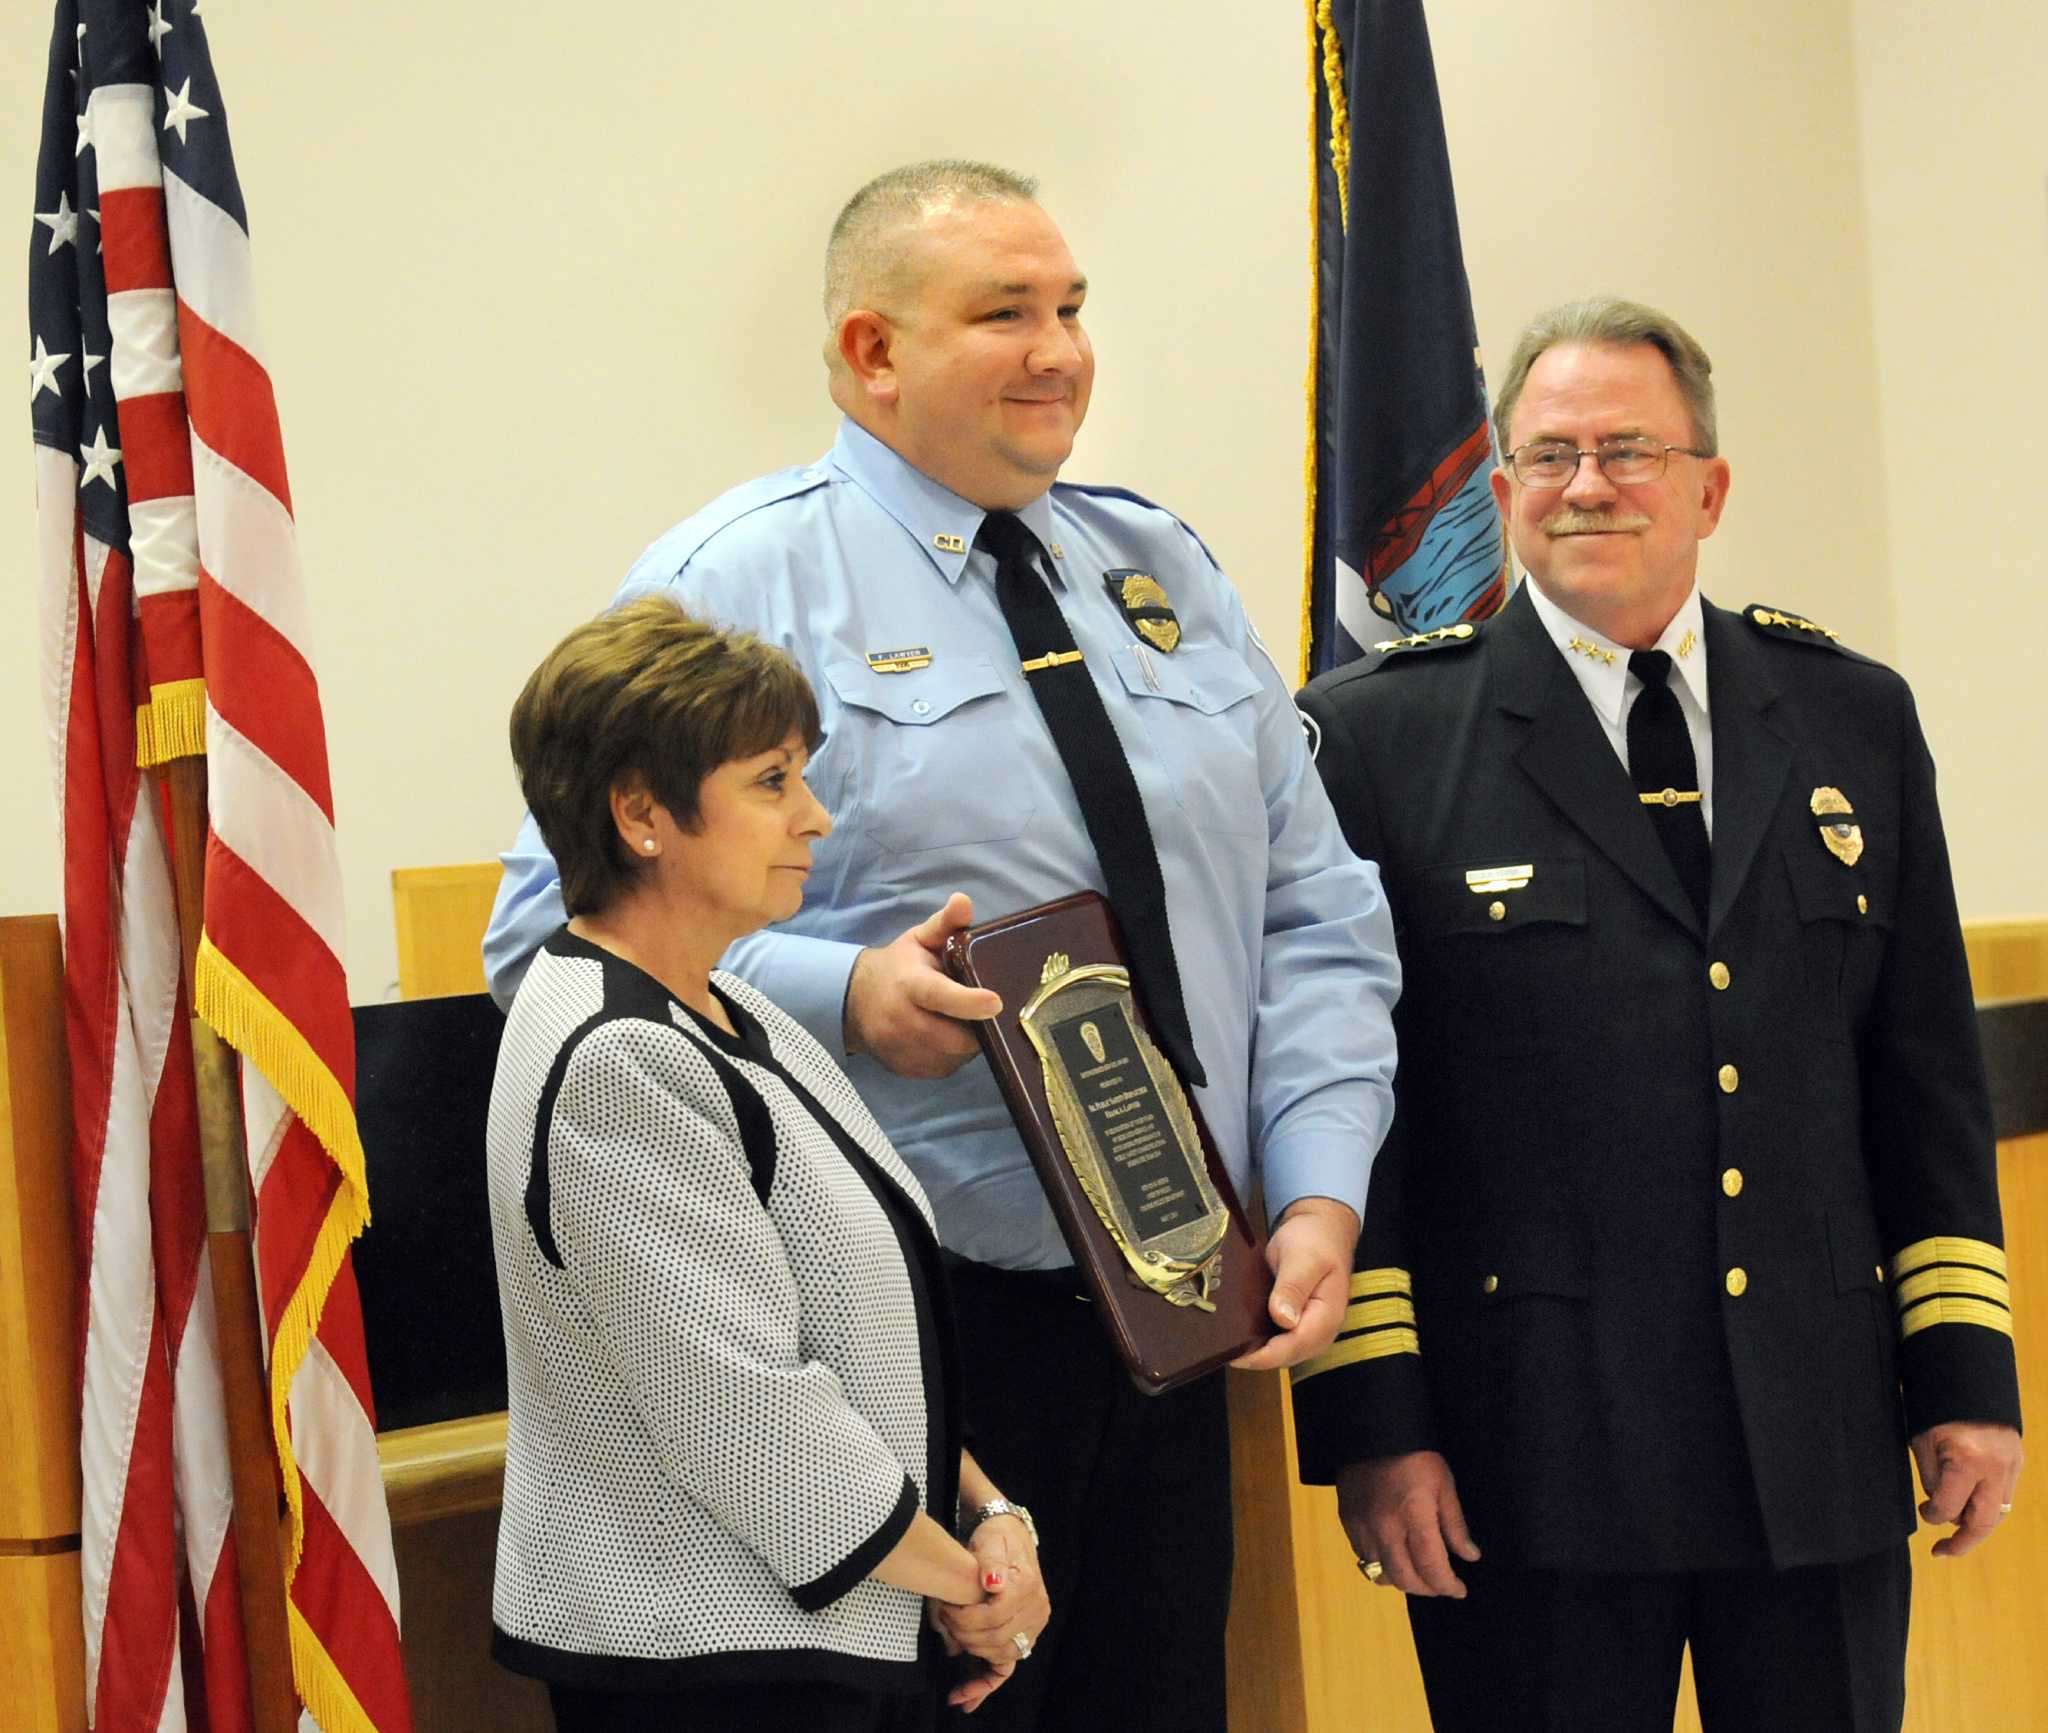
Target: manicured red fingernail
994 1580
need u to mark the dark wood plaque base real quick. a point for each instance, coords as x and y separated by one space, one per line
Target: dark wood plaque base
1161 1344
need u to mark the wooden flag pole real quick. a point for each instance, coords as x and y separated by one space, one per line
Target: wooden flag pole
230 1254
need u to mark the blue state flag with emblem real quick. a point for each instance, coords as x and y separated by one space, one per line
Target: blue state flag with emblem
1403 533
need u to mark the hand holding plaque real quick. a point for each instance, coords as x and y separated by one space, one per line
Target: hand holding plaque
1127 1163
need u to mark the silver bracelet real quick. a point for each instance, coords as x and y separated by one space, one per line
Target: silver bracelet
973 1516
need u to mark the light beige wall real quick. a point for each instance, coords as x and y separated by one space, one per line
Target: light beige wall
539 281
1956 178
1711 171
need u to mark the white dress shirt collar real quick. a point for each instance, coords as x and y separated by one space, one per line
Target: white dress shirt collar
1601 664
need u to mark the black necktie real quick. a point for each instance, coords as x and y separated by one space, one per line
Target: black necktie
1666 775
1101 775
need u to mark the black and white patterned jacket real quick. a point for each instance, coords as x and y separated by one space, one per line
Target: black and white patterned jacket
727 1342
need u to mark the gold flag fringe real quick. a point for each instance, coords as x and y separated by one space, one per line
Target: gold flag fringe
244 1018
322 1686
1318 15
172 724
1340 110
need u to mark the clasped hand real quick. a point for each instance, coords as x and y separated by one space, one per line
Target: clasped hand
1013 1603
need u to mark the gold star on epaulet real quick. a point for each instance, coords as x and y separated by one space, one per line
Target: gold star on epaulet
1783 625
1443 638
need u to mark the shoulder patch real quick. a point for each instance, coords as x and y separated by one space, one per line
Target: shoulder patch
1777 623
1458 637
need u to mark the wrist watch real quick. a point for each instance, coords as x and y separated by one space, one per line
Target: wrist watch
973 1516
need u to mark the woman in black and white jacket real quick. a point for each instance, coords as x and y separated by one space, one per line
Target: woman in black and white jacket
732 1380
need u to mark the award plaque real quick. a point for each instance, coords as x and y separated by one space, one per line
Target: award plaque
1174 1266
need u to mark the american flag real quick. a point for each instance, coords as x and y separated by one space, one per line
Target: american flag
1403 535
173 625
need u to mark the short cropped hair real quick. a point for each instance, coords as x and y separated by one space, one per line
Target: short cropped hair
645 690
1609 319
859 256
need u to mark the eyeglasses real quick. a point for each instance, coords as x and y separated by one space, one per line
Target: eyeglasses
1544 464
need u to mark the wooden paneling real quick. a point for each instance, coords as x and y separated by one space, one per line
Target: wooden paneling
1355 1638
1313 1645
441 913
1977 1658
444 1586
42 1646
1266 1662
2008 959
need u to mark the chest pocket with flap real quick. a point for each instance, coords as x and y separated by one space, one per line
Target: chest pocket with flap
1195 705
934 753
1510 968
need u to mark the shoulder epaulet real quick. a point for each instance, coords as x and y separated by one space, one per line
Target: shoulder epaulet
1102 490
1777 623
1389 650
674 550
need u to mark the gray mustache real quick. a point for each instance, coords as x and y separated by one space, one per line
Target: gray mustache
1568 521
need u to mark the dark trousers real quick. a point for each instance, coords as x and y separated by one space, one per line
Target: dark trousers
1815 1650
800 1708
1132 1498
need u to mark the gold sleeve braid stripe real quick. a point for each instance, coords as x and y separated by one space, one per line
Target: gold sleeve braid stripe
1952 1279
1944 1310
1374 1345
1949 1280
1944 1250
1379 1321
1376 1314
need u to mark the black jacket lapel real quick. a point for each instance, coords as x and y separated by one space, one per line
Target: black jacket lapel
1751 756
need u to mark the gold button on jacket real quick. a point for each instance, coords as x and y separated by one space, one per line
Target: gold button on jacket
1731 1080
1738 1281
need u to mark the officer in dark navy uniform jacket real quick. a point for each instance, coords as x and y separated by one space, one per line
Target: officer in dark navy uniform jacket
1689 1220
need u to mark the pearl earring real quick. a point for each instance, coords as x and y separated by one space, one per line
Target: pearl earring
647 842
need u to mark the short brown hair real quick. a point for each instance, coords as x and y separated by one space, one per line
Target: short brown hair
645 690
866 246
1608 319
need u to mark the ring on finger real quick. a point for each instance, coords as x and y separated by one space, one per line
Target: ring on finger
2005 1510
1023 1645
1372 1569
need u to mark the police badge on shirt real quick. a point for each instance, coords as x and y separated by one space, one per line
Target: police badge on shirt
1144 603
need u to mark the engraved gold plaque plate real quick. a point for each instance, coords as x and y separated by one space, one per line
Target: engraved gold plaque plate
1127 1130
1110 1146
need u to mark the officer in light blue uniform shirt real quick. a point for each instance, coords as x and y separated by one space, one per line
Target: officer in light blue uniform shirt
958 356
